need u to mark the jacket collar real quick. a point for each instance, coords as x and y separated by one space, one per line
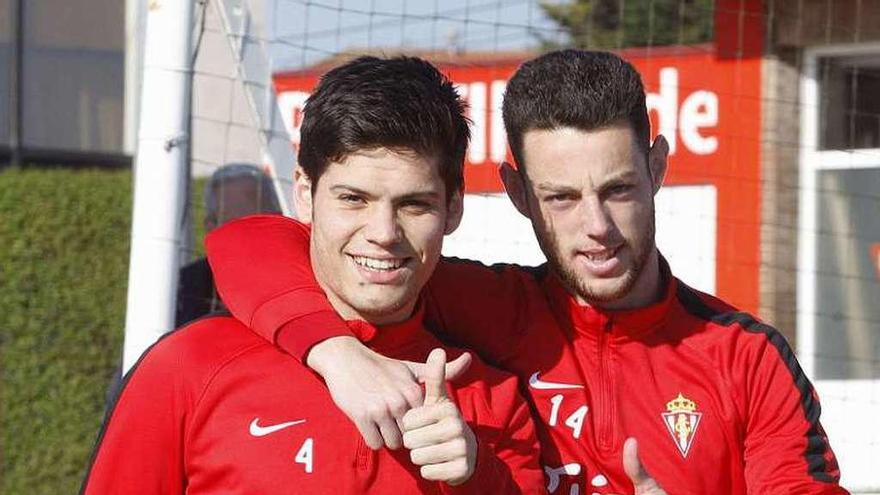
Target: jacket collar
390 337
630 323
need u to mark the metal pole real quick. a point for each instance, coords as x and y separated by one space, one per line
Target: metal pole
160 176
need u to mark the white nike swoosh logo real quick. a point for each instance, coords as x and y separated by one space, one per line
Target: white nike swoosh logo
261 431
538 384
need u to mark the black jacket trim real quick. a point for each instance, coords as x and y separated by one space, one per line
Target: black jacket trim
817 443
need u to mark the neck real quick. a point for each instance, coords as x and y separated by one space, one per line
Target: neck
348 312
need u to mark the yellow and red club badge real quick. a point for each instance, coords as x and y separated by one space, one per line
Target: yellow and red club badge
682 419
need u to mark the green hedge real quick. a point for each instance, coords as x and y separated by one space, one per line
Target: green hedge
64 240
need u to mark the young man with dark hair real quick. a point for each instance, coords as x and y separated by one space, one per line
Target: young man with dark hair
213 408
610 344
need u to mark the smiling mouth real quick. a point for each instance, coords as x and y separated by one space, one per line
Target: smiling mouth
379 264
600 256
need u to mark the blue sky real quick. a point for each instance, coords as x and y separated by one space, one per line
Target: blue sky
307 31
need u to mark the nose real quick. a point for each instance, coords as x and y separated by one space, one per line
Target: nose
597 222
382 226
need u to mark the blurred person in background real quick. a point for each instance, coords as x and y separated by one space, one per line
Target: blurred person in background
234 190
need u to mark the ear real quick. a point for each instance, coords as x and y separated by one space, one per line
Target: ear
454 210
302 195
515 186
657 161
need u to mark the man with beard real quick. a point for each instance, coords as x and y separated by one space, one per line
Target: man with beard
607 342
213 408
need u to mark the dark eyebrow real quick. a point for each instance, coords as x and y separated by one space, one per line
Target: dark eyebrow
342 188
628 176
427 194
555 188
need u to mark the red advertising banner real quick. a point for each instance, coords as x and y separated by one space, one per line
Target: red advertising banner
708 107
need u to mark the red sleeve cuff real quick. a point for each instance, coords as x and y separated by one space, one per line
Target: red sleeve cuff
305 317
297 337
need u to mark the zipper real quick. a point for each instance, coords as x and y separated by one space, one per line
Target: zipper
606 419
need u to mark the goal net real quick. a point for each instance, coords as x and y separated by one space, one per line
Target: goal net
771 109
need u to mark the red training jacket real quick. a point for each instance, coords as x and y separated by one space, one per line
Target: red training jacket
716 398
213 408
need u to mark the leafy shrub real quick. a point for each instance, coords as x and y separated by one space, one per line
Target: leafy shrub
64 245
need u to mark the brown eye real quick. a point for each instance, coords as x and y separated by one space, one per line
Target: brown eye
559 198
620 189
416 206
351 199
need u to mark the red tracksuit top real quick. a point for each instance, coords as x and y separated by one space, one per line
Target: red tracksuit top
215 409
716 398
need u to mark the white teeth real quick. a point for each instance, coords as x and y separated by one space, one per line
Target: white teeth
599 256
377 264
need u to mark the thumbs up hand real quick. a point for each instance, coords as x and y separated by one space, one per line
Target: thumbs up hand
643 483
439 439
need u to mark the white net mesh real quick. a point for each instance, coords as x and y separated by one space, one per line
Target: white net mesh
772 110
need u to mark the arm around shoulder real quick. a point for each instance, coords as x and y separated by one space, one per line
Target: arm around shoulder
262 271
484 308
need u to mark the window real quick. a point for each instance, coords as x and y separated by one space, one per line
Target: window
838 315
847 280
6 47
73 71
850 102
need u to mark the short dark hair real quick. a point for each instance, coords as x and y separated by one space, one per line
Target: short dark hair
574 88
396 103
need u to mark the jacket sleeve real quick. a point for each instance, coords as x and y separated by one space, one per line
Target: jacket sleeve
508 455
263 273
141 445
484 308
786 448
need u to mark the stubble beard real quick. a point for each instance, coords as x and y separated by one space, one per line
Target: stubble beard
568 275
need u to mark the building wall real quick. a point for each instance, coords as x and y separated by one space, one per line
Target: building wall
817 22
72 70
791 27
223 123
779 192
5 60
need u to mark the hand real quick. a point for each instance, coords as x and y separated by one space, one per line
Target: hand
440 441
372 390
642 481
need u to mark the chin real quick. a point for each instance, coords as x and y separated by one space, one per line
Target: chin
382 304
606 290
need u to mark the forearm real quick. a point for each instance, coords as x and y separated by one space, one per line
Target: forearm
482 308
262 271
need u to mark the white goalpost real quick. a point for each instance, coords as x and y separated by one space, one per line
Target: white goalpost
206 100
160 172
